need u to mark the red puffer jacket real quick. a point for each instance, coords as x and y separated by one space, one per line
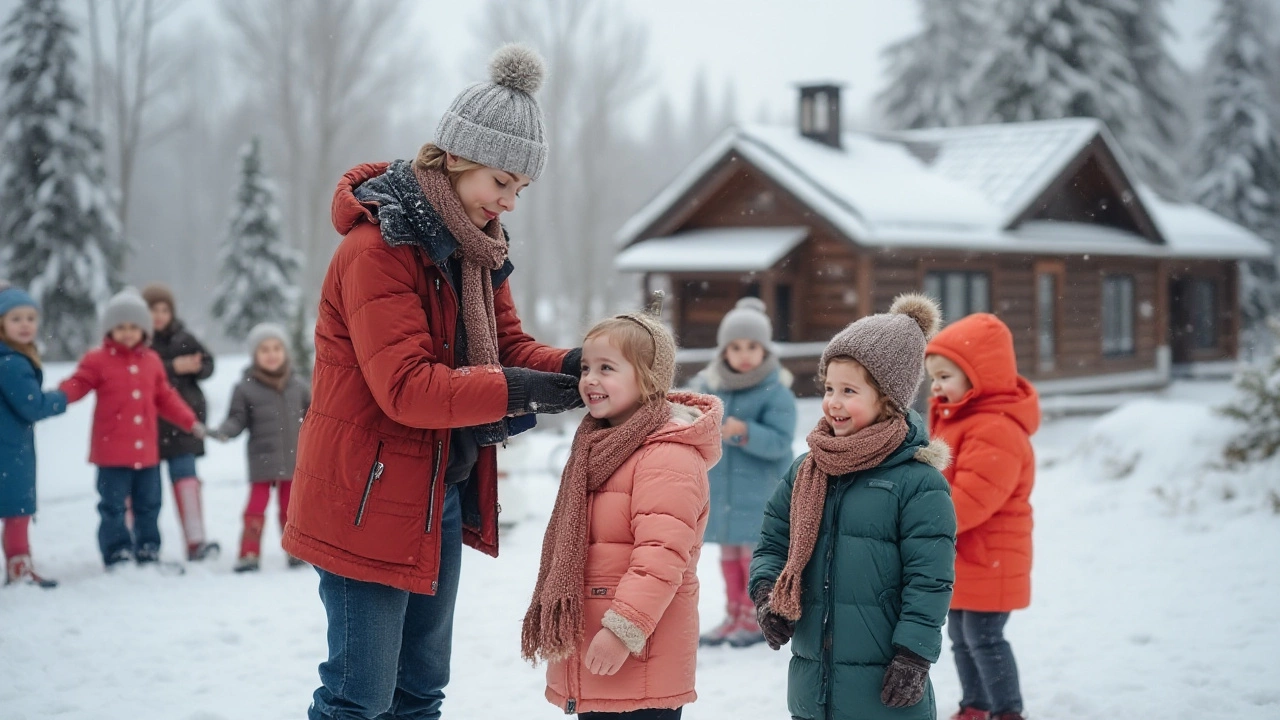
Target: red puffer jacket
368 491
132 389
994 466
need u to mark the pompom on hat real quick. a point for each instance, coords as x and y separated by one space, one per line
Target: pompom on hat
498 123
890 345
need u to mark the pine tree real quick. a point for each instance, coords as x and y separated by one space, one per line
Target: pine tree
1061 59
58 225
258 269
1238 148
1146 29
1257 406
930 72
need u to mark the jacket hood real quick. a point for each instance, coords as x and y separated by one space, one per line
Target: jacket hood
695 421
346 211
982 346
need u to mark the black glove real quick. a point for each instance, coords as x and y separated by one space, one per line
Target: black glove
777 630
531 391
904 680
572 364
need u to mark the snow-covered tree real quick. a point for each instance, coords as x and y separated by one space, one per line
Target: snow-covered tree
258 273
1239 149
1161 83
929 73
1066 58
58 226
1257 407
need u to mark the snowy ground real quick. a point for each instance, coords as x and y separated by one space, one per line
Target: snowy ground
1155 592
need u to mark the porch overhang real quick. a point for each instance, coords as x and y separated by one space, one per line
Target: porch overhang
722 249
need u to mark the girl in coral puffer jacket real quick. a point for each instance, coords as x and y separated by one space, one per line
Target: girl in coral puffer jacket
615 609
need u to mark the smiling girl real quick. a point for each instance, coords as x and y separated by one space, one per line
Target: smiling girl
23 402
857 550
615 609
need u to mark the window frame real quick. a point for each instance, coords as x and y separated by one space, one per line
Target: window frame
1116 343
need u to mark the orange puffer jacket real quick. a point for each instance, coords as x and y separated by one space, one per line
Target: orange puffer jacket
994 467
645 528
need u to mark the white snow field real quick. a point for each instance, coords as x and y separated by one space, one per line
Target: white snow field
1156 586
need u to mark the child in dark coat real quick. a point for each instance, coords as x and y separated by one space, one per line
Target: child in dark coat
186 363
759 425
270 402
22 403
133 393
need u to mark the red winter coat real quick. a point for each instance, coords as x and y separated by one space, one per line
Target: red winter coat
994 467
644 529
368 490
132 389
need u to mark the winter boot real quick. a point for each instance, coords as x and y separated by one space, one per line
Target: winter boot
247 563
251 542
747 632
719 634
21 571
296 562
971 713
186 493
117 559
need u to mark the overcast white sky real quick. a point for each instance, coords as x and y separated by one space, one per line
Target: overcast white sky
764 47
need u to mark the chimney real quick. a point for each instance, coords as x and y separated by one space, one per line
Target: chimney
820 113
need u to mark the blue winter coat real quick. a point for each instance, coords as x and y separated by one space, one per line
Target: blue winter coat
744 479
22 403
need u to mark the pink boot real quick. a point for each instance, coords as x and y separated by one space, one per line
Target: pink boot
186 492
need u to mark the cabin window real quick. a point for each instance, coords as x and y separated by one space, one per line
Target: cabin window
1046 321
959 293
782 313
1204 313
1117 315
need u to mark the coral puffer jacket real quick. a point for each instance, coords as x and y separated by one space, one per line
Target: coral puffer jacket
994 466
132 388
645 527
368 489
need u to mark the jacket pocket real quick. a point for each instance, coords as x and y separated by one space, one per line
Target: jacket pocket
375 474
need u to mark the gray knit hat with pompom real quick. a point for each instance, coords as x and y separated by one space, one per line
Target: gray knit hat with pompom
746 321
890 345
498 123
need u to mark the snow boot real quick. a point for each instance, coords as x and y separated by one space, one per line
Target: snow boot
295 562
748 631
186 493
247 563
117 559
971 713
21 571
719 634
251 537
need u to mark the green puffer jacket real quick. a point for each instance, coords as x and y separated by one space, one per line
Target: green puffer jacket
880 576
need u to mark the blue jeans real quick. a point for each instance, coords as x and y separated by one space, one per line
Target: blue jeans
984 661
142 488
389 649
182 466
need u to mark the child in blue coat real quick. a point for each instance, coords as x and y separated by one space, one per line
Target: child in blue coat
22 402
759 425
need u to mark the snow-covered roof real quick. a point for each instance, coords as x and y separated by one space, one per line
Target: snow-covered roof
729 249
949 188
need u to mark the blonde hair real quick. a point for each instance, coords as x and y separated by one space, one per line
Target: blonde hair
431 157
888 408
638 347
28 349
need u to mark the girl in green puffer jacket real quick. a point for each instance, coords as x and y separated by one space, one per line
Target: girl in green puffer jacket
857 550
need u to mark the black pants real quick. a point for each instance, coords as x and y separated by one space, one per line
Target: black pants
647 714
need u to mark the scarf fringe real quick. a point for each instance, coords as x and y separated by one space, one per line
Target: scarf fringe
552 632
785 598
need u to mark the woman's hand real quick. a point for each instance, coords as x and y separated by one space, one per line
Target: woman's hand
606 654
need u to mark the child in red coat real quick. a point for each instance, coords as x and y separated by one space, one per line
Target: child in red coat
132 389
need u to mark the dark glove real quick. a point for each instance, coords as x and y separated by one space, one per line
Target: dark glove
777 630
572 363
904 680
531 391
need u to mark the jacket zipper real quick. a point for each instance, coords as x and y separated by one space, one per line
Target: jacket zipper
435 475
375 472
828 592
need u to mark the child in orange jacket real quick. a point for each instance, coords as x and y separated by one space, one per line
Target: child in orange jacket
615 609
987 413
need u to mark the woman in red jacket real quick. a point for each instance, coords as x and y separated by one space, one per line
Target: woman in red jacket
132 390
420 364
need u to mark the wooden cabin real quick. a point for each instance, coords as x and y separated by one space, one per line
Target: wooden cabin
1105 285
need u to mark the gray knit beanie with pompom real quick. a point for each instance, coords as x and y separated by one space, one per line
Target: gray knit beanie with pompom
746 321
890 345
498 123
